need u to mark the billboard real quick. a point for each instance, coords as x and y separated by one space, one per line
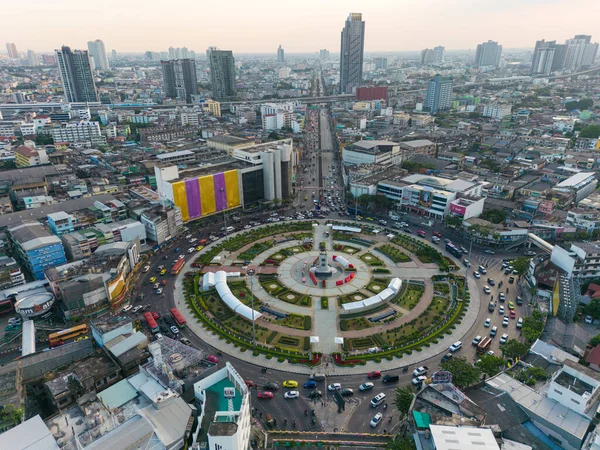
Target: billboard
459 210
425 199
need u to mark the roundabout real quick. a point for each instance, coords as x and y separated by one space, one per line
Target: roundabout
320 298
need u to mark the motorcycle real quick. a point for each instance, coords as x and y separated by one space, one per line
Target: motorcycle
263 370
405 369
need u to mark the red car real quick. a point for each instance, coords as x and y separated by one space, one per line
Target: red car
437 233
265 394
373 375
156 315
212 359
163 282
512 314
250 383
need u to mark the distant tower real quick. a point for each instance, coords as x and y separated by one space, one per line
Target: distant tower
222 73
352 52
488 54
439 94
98 52
76 75
113 55
280 55
323 54
12 50
32 58
179 79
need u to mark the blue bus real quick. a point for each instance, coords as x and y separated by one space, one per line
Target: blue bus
450 248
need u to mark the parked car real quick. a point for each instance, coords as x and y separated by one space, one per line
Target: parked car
376 420
493 331
519 322
447 356
420 371
477 275
174 330
504 338
501 310
486 289
213 359
512 314
588 319
487 322
519 301
418 381
390 378
476 340
185 341
505 322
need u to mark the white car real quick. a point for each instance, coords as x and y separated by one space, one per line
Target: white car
505 322
501 310
334 386
136 309
192 240
487 322
376 420
181 256
519 323
191 250
420 371
588 319
476 340
486 289
418 380
291 394
477 275
159 291
455 347
504 338
366 386
174 329
247 227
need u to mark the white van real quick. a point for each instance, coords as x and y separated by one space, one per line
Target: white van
127 308
377 400
230 229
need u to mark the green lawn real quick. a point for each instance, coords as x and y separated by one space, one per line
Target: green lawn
394 253
409 296
371 259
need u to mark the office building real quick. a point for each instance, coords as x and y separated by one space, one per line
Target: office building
76 75
488 54
98 52
432 56
222 73
351 53
323 54
12 50
35 248
49 60
113 55
372 152
439 94
179 79
543 57
280 55
32 58
580 52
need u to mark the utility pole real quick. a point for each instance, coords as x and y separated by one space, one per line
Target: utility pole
250 273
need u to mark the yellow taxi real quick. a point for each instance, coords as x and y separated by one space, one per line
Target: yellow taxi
162 272
200 247
152 280
290 384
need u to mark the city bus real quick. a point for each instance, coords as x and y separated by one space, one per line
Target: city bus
484 345
178 318
59 338
450 248
152 325
177 267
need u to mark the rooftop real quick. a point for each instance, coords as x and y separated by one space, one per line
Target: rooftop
453 438
33 434
176 154
229 140
417 143
32 235
575 179
108 323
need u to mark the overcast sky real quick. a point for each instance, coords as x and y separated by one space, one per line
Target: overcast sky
259 26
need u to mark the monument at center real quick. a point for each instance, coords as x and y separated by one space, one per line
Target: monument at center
323 240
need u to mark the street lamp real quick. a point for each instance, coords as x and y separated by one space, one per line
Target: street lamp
250 273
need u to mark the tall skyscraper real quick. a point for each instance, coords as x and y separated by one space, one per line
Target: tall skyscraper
543 57
222 73
438 54
323 54
179 79
76 74
113 54
380 63
427 56
488 54
12 50
32 58
580 52
352 52
280 54
439 94
98 52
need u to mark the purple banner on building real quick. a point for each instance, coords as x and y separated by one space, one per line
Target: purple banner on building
192 192
220 191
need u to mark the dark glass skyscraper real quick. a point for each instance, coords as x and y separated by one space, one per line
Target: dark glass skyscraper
222 73
351 53
179 79
76 75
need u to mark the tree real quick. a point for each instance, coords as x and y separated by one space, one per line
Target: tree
593 308
595 340
463 373
533 326
513 349
454 221
403 400
494 215
11 416
521 265
490 364
405 443
591 131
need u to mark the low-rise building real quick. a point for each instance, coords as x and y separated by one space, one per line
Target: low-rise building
10 273
86 132
162 224
497 111
579 185
61 223
28 156
419 147
372 152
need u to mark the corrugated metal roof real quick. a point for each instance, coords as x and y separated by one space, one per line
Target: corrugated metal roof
117 395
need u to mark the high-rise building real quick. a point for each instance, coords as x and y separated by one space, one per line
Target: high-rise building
76 74
12 50
49 60
280 55
352 52
222 73
179 79
439 94
438 54
543 57
380 63
488 54
323 54
580 52
113 54
98 52
427 56
32 58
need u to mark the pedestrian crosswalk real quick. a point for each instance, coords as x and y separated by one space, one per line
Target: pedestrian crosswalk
489 261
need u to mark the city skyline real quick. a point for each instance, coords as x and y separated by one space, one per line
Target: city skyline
392 26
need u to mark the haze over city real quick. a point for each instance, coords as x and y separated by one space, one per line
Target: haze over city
258 27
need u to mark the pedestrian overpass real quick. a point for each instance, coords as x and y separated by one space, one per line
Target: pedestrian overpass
539 243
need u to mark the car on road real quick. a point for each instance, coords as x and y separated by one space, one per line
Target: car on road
152 280
163 272
530 253
334 386
504 338
146 269
200 247
377 400
505 322
486 289
366 386
265 394
315 394
477 275
501 297
291 394
290 384
511 280
512 314
373 375
417 381
456 346
310 384
476 340
511 305
213 359
447 357
482 270
501 310
493 331
136 309
271 386
347 392
519 300
376 420
159 291
420 371
390 378
491 282
487 322
181 256
174 329
191 250
185 341
163 282
588 319
520 323
490 252
156 285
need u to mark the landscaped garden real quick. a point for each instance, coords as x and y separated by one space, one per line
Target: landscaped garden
394 253
371 260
